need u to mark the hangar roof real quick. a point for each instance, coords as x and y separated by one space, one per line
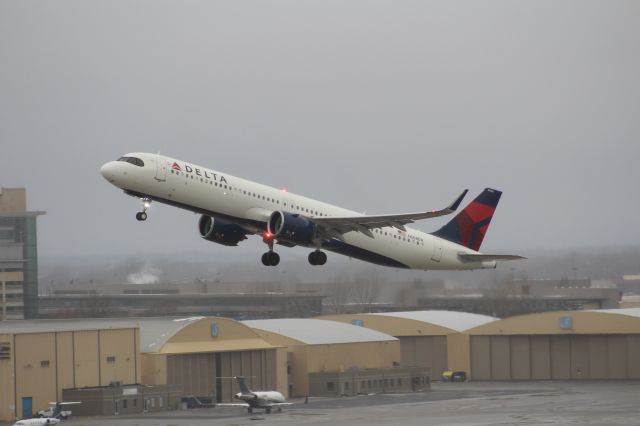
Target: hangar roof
458 321
415 323
318 332
599 321
155 333
45 326
631 312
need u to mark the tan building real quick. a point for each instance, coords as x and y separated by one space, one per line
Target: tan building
430 339
603 344
318 346
202 353
40 359
194 356
18 256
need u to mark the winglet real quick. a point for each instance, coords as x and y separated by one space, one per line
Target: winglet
454 206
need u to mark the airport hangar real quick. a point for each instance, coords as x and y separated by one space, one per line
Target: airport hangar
591 344
38 359
331 358
565 345
146 363
431 339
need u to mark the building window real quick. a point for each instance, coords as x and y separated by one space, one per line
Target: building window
5 350
44 363
330 386
124 403
111 360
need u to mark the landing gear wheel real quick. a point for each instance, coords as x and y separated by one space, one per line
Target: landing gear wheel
270 258
250 410
267 410
317 257
146 203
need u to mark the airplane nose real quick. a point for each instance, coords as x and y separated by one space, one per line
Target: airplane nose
108 171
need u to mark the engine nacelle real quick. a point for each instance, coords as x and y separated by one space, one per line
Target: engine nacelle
291 227
221 231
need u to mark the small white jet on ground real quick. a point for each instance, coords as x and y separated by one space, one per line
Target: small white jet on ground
266 400
232 208
37 422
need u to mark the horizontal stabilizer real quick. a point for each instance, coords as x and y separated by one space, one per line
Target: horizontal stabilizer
465 257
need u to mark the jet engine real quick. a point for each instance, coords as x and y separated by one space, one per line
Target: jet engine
291 227
221 231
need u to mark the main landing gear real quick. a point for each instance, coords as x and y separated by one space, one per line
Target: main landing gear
317 257
146 203
270 258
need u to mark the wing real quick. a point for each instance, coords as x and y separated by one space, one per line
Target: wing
279 404
336 226
483 257
231 404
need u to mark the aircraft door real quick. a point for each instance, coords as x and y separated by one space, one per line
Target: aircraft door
437 250
287 204
161 169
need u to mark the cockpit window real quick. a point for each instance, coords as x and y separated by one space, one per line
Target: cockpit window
133 160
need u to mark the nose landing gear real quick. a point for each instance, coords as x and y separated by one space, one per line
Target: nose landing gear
146 203
270 258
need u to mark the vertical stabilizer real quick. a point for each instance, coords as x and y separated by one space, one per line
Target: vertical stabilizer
469 226
242 382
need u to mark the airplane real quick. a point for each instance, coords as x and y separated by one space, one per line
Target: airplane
37 422
232 208
266 400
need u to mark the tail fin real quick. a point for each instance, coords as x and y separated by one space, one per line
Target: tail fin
242 382
470 225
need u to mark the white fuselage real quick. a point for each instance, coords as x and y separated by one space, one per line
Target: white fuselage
261 399
250 204
37 422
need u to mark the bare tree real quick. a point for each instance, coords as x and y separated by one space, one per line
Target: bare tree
337 297
364 294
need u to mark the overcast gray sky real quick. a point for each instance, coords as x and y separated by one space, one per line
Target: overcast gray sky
378 106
